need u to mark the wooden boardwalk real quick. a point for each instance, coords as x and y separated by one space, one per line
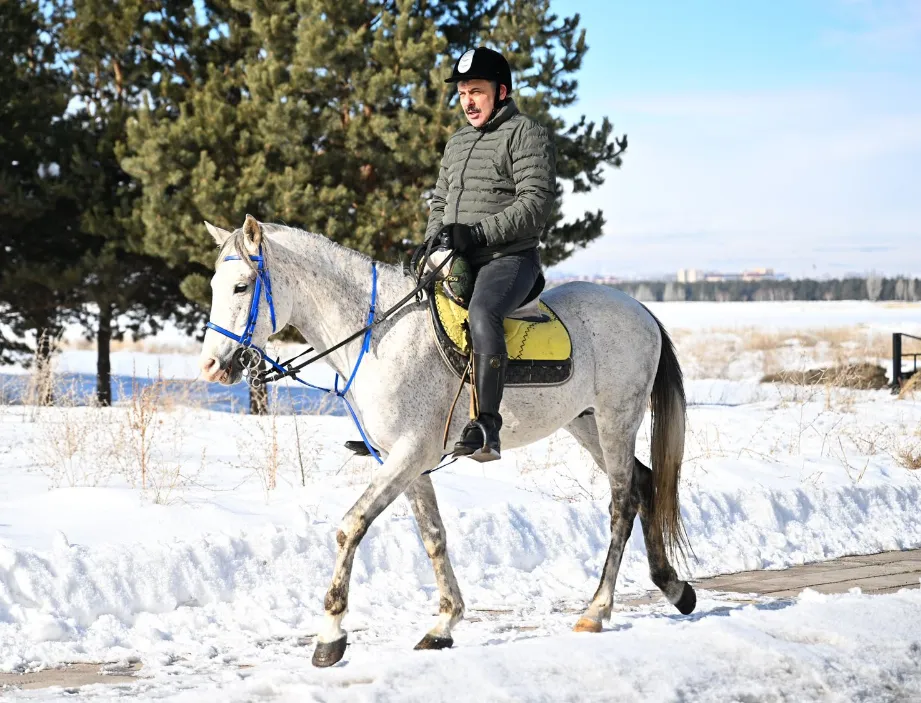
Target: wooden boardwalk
887 572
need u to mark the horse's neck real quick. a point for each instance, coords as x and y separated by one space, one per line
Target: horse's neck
331 289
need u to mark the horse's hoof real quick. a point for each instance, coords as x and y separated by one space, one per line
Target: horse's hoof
433 642
587 625
688 600
329 653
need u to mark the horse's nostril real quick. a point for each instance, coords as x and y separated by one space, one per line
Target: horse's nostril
210 365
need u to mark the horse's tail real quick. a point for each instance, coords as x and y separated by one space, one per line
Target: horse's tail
668 421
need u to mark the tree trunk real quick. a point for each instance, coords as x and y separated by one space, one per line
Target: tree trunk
103 362
44 378
259 398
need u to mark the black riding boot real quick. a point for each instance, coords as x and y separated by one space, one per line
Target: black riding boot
489 375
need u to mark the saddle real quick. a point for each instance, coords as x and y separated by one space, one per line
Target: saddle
539 346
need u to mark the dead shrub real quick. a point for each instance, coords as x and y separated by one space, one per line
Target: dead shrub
911 386
73 446
264 448
39 390
910 458
151 437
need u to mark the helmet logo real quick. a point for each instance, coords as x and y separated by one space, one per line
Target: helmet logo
465 61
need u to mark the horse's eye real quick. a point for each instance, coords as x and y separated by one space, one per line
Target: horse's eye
240 288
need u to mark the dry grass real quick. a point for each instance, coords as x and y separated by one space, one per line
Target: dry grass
862 376
40 387
141 440
72 447
151 437
278 448
857 338
735 353
911 386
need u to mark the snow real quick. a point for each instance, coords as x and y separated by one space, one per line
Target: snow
210 577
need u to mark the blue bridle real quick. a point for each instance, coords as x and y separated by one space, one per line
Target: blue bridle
253 356
263 284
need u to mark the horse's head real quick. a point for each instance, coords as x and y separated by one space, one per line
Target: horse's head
238 319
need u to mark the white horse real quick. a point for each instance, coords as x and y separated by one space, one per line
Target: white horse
622 358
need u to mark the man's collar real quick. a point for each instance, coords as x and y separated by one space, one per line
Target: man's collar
507 111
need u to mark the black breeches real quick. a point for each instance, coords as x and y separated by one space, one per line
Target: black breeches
500 287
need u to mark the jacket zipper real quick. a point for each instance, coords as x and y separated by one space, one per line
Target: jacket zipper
463 171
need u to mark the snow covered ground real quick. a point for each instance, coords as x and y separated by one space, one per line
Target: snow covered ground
203 547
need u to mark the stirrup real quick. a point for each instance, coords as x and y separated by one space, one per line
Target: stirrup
484 454
481 453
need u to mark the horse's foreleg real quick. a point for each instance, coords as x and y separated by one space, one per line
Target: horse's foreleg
404 464
421 494
679 593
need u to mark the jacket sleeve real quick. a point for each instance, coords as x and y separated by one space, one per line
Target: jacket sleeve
437 213
534 171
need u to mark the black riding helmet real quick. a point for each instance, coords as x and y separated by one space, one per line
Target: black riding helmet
482 63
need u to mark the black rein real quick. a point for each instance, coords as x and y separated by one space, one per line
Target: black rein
273 375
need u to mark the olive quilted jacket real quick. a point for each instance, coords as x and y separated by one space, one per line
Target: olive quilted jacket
501 175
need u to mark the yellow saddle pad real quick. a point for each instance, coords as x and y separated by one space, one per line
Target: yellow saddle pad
536 341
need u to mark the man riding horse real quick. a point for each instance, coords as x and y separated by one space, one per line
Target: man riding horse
494 195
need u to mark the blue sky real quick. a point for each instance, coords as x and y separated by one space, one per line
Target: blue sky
781 133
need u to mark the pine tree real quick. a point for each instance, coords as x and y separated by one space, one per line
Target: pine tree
39 241
333 115
118 52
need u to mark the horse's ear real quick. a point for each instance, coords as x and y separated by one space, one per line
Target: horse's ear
252 232
220 235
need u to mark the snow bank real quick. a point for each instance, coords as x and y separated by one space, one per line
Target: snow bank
143 599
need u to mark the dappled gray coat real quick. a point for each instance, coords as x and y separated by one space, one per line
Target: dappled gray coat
502 176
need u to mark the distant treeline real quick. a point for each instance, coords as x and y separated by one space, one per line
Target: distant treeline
869 288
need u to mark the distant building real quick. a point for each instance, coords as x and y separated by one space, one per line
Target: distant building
756 274
690 275
760 274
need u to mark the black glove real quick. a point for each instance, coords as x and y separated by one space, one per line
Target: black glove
462 238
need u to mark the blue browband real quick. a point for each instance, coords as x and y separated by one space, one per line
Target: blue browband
264 286
263 283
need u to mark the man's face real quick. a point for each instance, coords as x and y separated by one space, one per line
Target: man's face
477 99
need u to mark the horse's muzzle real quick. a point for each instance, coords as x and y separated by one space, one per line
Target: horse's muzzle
213 370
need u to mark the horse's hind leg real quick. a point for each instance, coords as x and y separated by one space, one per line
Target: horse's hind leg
613 450
421 496
679 593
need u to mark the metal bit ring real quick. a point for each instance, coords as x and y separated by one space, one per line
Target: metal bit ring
250 359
